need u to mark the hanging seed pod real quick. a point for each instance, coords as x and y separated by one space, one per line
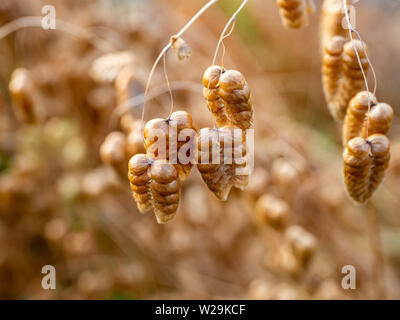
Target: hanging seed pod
27 101
272 211
172 139
210 92
332 73
139 179
357 168
294 13
355 116
236 96
380 150
365 163
379 120
181 48
332 16
353 80
222 159
165 190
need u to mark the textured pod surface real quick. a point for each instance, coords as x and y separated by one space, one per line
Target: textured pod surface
356 115
332 72
210 92
222 160
357 168
294 13
26 98
379 120
352 81
140 181
165 190
172 139
380 150
236 96
332 15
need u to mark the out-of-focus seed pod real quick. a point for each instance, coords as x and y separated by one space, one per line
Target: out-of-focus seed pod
302 242
236 96
172 139
356 113
181 48
258 182
272 211
357 168
113 151
294 13
380 150
210 92
332 15
353 80
222 159
106 68
165 190
332 72
139 179
125 85
27 101
379 120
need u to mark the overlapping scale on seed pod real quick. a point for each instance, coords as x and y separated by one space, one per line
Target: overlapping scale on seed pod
294 13
222 159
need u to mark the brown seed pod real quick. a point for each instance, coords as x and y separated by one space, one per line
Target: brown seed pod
27 101
380 150
139 179
365 163
353 80
236 96
172 139
294 13
357 168
272 211
379 120
210 92
222 159
165 190
332 16
356 113
181 48
332 72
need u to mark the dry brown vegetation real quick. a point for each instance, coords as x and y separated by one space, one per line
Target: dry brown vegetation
65 199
